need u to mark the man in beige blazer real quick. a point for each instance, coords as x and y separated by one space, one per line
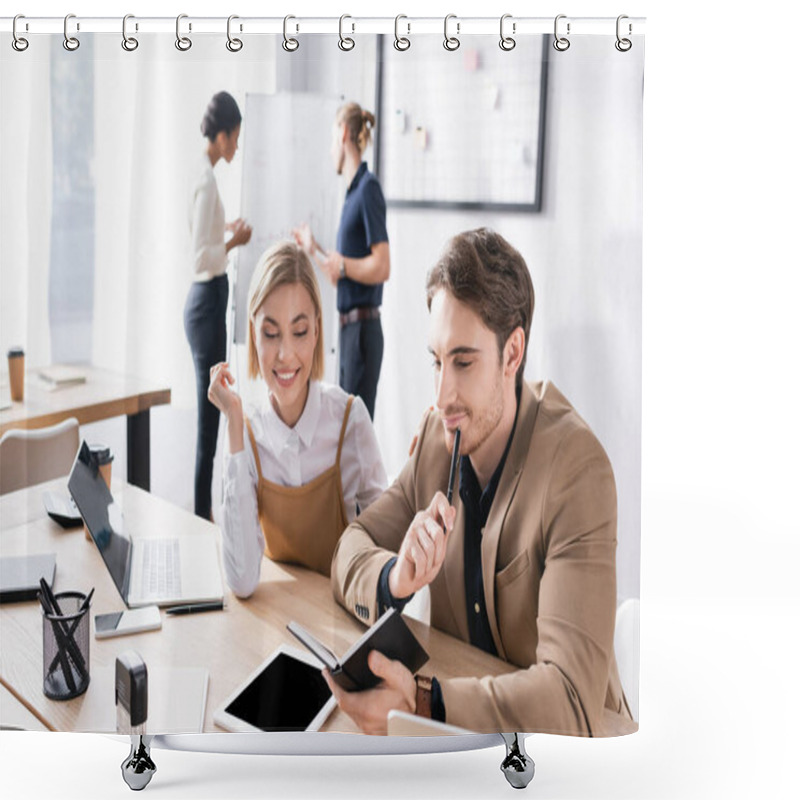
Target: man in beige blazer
523 563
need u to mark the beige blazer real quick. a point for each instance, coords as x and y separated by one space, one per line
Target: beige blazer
549 573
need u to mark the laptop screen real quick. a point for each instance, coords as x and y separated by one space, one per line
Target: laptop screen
103 517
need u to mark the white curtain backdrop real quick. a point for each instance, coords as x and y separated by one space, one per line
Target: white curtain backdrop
25 203
149 105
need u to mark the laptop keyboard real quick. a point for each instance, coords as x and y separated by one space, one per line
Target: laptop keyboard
161 568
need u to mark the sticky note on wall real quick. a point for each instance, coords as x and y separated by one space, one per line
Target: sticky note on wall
420 138
472 60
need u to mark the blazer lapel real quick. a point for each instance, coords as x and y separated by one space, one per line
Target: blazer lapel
506 489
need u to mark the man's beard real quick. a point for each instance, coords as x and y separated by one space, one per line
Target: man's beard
483 425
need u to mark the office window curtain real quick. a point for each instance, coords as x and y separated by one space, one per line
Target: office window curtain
25 205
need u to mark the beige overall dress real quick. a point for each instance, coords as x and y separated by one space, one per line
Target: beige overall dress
302 524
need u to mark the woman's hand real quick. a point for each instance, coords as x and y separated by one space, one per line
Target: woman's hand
229 403
241 233
305 239
221 395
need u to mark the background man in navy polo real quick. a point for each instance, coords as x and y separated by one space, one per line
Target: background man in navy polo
360 264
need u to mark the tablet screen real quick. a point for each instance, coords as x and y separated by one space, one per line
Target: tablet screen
285 696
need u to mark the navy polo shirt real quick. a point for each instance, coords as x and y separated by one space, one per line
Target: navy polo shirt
362 225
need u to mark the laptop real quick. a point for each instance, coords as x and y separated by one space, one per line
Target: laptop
147 570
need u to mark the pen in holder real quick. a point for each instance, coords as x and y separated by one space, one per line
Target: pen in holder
65 646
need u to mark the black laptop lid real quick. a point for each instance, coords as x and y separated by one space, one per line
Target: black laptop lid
103 517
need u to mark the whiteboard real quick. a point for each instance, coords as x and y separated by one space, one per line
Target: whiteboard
463 129
287 179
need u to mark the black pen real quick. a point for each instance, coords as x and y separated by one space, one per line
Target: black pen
452 481
87 601
196 608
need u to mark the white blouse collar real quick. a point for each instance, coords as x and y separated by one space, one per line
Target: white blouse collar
279 432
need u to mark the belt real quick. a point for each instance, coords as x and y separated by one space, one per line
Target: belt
359 314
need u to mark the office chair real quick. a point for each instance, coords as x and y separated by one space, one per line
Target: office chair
28 457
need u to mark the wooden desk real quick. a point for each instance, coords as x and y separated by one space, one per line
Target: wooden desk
230 644
104 395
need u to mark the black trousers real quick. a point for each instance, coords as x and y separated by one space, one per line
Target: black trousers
204 323
360 357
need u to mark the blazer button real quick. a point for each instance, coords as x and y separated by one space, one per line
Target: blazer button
477 608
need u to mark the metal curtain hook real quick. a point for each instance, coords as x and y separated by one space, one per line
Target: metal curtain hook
70 42
183 43
345 42
19 43
129 43
289 44
561 43
401 43
623 45
233 44
507 42
451 42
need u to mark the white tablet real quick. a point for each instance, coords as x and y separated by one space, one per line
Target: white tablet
286 693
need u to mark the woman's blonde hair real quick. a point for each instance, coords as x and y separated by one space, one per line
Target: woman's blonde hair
359 124
285 263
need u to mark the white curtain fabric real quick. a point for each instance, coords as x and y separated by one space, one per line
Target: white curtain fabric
148 109
25 202
148 143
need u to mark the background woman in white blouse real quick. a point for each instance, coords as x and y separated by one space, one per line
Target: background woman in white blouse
297 468
204 312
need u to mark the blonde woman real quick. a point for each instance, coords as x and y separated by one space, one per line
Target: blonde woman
359 266
297 468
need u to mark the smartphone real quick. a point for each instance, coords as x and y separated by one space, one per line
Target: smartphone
122 623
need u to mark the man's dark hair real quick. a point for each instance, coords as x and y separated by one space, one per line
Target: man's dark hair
483 271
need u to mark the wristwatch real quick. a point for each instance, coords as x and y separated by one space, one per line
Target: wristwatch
342 273
424 687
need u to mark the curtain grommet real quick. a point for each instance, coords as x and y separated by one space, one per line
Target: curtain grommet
289 44
19 43
183 43
71 43
451 43
560 43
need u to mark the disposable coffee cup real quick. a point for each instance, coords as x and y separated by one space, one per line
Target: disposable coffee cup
100 456
16 373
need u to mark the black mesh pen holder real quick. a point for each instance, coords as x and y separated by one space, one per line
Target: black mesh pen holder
66 648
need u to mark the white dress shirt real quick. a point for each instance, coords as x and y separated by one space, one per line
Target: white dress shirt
293 457
207 225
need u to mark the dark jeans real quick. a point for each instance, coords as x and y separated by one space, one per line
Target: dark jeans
204 323
360 356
